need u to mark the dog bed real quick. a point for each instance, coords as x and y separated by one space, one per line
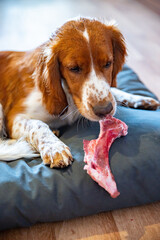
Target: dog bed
31 192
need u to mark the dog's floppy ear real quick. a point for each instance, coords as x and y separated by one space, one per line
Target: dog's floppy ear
119 52
49 81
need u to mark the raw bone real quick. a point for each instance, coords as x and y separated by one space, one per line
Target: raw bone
97 150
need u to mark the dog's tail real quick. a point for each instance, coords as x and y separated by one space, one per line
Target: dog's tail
13 149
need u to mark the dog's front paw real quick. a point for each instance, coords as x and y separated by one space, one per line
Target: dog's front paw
56 154
141 102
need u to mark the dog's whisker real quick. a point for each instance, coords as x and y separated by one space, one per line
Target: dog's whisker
63 110
87 122
83 122
72 112
78 122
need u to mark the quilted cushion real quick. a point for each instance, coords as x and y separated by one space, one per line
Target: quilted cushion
31 192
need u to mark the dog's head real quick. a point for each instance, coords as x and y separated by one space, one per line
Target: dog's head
87 54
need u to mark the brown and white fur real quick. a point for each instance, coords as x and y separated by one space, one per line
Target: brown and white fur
72 74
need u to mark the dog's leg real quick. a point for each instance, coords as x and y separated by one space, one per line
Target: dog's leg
134 101
53 151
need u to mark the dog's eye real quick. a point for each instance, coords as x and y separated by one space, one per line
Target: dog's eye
75 69
108 64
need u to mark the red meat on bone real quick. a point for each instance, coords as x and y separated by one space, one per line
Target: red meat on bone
97 151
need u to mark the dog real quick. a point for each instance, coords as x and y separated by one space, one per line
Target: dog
73 74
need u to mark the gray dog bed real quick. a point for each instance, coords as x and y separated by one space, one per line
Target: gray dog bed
31 192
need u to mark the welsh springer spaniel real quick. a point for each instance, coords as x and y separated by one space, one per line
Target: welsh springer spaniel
72 74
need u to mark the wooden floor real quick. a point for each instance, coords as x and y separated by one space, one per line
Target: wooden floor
138 223
26 24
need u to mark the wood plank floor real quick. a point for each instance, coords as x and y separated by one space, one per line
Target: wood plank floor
26 24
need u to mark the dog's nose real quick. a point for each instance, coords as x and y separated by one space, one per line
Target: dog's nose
102 111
